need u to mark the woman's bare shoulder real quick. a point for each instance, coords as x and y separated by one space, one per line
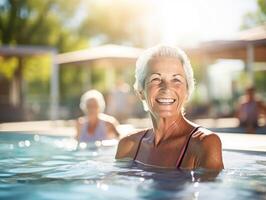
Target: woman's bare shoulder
108 119
128 145
203 135
209 149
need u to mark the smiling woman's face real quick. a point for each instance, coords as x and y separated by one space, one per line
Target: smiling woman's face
165 87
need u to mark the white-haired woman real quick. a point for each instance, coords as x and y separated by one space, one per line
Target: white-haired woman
164 82
95 125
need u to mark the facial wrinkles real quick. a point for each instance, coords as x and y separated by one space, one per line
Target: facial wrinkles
169 86
163 89
165 79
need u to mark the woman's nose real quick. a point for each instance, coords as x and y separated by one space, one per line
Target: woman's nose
164 84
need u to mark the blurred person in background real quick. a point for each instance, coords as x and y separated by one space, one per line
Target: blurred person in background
94 125
165 82
250 109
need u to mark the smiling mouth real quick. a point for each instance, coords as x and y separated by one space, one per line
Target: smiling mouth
165 101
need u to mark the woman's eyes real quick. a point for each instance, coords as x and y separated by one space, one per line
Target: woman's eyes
156 79
177 80
159 80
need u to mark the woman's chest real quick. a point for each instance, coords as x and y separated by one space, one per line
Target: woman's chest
168 155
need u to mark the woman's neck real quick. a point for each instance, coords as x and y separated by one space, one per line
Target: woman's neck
164 128
92 119
93 122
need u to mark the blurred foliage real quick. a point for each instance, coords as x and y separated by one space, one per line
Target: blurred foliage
39 22
8 67
120 22
260 82
98 78
256 18
70 74
37 69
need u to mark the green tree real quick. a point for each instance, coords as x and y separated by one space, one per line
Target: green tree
36 22
120 22
256 18
40 22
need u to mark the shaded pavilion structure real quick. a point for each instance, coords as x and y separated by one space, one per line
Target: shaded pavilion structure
107 56
248 46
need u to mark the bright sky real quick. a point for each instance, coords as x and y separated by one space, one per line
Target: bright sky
188 21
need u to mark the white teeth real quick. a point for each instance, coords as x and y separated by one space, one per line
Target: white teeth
163 100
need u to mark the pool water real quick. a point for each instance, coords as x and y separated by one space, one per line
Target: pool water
42 167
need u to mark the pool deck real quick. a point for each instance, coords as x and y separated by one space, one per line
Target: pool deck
53 128
230 139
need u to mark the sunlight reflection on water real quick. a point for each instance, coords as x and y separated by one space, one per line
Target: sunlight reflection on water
69 170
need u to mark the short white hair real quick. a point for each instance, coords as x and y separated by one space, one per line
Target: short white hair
162 51
92 94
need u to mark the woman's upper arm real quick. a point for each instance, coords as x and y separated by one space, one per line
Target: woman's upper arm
78 128
122 149
211 152
112 131
126 148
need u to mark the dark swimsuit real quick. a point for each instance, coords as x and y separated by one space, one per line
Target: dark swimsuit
183 150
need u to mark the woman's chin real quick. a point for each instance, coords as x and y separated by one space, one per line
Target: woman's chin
166 114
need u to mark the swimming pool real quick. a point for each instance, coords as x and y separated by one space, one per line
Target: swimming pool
42 167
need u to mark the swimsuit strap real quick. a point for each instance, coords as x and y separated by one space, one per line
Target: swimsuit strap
184 148
140 144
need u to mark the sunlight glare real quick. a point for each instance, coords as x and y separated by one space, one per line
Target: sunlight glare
189 22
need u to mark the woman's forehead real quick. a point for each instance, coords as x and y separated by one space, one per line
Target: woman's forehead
92 101
165 65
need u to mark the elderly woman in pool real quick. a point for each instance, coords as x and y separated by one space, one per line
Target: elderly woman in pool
95 125
164 82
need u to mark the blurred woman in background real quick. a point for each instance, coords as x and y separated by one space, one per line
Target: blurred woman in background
94 125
